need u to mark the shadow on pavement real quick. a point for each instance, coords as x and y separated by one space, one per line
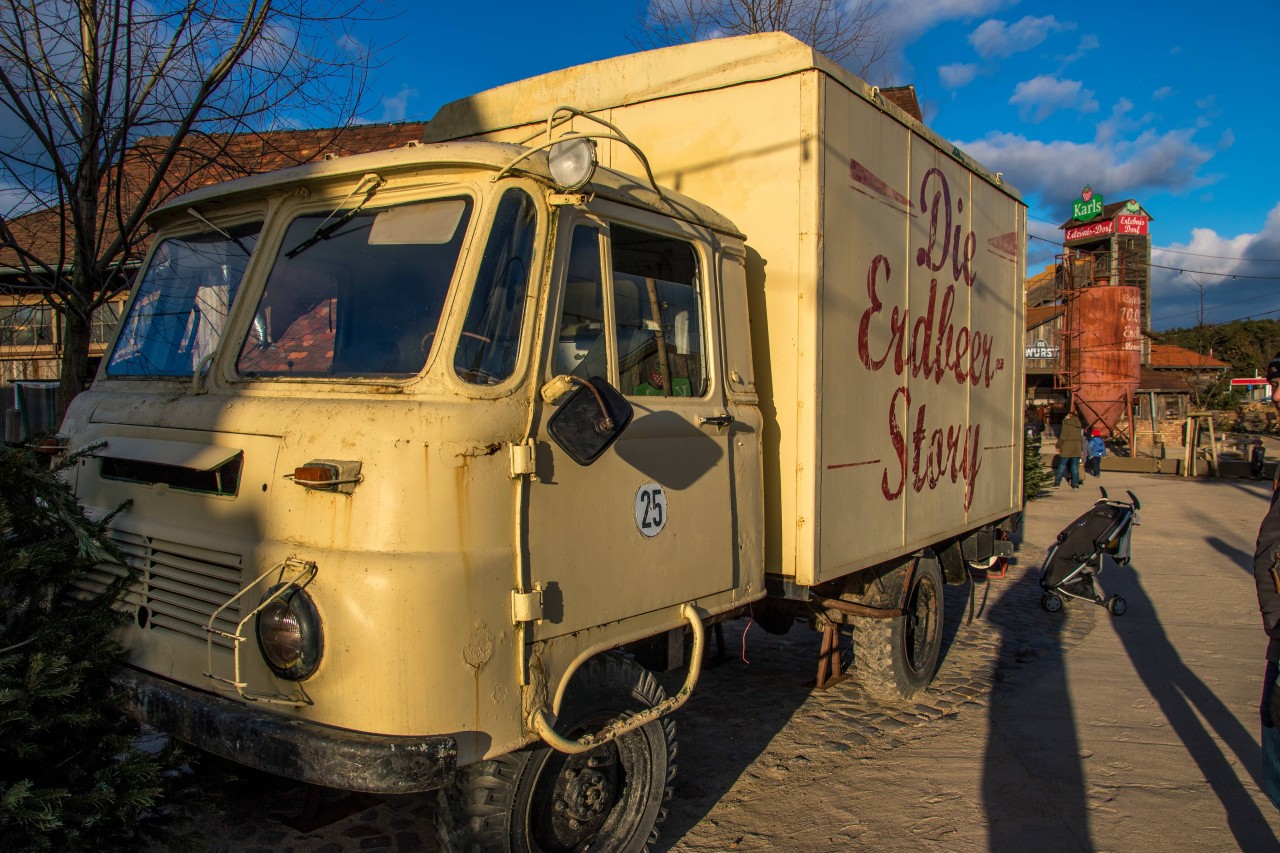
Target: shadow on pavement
1239 558
742 702
1198 717
1032 783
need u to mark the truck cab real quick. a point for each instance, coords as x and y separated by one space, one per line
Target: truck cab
365 552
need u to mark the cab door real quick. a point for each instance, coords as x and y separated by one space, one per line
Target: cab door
650 523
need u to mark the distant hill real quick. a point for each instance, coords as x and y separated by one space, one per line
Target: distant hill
1247 345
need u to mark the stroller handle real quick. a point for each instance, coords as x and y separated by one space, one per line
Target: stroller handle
1133 499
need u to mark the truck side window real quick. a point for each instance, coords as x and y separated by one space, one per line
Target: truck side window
658 315
490 339
580 347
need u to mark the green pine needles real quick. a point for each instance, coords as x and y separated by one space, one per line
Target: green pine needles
72 776
1035 474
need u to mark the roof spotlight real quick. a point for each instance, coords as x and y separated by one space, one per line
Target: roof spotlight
572 161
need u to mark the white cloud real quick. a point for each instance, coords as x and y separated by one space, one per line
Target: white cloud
995 38
1118 123
1163 93
1226 140
907 19
395 107
1087 44
904 21
1041 97
957 75
1211 259
1055 171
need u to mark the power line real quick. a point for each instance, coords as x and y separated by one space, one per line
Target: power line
1213 307
1171 251
1220 274
1184 270
1217 257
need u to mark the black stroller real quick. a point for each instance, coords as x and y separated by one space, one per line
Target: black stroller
1073 563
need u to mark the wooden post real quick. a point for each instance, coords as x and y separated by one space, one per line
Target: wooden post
1188 451
1213 448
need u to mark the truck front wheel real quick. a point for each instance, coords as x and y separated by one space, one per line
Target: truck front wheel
538 800
896 658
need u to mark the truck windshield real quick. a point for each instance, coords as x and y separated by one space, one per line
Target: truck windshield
365 300
180 309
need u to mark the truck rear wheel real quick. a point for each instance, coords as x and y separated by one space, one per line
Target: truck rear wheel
538 800
896 658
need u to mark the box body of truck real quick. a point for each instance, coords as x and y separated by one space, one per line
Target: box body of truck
884 272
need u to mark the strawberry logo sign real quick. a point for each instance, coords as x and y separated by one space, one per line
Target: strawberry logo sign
1088 206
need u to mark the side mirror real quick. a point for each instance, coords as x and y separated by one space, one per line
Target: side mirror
589 420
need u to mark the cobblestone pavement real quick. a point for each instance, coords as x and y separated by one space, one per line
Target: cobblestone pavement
751 714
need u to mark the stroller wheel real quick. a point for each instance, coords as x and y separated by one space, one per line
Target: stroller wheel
1117 605
1051 602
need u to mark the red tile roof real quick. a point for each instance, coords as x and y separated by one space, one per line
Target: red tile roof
1155 380
1170 357
207 160
1040 314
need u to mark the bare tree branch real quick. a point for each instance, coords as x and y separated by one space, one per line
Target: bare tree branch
846 31
105 103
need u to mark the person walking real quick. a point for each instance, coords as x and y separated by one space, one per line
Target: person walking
1070 449
1097 450
1266 576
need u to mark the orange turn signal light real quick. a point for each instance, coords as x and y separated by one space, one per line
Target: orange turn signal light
51 445
316 475
327 475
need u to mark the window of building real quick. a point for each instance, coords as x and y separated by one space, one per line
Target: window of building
26 326
103 323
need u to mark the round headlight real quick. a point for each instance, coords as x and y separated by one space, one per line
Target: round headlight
289 635
572 161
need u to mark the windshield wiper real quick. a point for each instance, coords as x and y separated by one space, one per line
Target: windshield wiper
196 215
326 228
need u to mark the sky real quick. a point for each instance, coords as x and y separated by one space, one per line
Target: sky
1165 103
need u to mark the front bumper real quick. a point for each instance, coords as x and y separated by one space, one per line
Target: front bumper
295 749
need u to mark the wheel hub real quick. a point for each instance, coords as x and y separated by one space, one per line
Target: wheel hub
587 796
918 623
586 791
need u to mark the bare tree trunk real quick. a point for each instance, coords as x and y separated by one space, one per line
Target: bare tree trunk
75 358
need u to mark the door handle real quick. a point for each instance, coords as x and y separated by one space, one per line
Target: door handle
720 421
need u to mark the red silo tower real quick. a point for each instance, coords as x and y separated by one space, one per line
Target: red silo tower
1105 287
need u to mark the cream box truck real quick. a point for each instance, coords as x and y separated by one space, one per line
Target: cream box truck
423 447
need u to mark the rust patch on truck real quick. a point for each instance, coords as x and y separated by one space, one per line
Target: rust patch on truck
478 652
459 454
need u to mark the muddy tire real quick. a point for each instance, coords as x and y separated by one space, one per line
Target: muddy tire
896 658
538 800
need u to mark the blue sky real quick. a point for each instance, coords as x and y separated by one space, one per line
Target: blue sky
1165 103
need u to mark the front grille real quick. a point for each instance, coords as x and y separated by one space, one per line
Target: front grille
179 585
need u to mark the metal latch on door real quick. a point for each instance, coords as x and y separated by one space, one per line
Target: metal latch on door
719 421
